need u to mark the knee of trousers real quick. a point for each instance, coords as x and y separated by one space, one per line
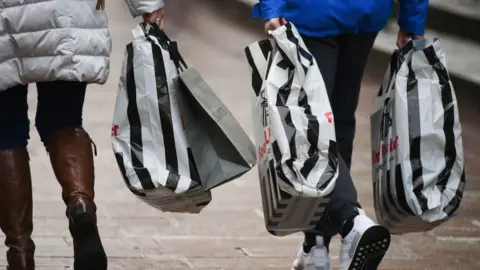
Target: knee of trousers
14 136
14 140
46 127
14 122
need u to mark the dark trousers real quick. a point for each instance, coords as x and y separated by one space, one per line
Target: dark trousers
342 60
60 105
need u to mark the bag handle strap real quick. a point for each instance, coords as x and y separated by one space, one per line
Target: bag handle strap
172 46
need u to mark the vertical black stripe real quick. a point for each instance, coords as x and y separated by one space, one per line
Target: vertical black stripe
285 90
401 196
163 99
301 52
376 192
273 190
395 62
384 199
286 62
136 143
303 101
449 116
172 180
257 79
389 198
454 204
266 201
313 125
291 136
278 158
277 154
313 131
194 175
274 187
415 150
333 161
123 171
266 47
290 132
308 165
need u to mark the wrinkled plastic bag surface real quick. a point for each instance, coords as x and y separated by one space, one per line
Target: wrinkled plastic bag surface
417 152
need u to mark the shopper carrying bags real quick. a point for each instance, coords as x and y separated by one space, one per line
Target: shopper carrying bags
340 36
62 46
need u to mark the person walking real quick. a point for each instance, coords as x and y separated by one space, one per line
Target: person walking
340 35
61 46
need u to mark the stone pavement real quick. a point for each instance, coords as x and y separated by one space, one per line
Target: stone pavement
229 234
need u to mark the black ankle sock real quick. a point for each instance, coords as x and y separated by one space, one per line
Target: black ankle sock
307 247
347 227
309 242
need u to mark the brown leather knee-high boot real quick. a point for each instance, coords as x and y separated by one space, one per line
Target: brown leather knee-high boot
16 208
71 156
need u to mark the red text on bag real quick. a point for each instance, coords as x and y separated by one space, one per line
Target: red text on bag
115 130
262 149
329 116
385 148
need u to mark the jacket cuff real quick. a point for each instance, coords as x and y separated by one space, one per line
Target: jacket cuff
412 19
412 27
267 12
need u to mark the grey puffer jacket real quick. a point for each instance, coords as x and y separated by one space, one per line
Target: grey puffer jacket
47 40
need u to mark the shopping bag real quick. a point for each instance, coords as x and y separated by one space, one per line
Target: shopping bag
148 137
294 132
224 149
417 153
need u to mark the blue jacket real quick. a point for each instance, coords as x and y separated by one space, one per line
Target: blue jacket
319 18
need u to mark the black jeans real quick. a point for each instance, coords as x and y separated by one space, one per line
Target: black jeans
60 105
341 60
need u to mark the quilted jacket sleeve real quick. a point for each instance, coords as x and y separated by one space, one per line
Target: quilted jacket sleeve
138 7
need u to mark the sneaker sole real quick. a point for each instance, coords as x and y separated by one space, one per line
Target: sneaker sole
371 249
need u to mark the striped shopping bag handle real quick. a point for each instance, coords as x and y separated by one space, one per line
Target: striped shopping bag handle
171 45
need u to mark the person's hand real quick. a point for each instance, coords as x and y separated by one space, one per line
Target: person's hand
154 17
403 38
274 23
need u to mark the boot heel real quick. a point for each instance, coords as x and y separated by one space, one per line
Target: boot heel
89 251
84 225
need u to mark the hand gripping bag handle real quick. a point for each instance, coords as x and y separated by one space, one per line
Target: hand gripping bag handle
164 40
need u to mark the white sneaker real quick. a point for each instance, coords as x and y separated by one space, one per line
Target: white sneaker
316 259
364 247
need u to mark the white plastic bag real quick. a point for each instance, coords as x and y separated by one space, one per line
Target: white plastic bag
294 132
148 137
417 152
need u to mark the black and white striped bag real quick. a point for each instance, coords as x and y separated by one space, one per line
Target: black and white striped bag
148 136
294 132
417 152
